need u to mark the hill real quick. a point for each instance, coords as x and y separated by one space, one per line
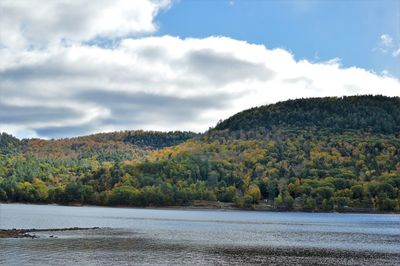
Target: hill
318 154
378 114
114 146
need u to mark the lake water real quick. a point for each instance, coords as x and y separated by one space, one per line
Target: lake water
181 237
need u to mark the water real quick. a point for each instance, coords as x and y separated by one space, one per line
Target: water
152 236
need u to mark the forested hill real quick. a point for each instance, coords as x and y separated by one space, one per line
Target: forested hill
114 146
378 114
320 154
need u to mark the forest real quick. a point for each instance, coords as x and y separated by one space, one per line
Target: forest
318 154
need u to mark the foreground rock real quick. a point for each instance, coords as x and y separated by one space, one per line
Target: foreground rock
25 233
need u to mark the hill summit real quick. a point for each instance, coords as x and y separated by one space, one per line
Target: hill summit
377 114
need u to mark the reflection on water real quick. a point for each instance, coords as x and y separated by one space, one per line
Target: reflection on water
145 236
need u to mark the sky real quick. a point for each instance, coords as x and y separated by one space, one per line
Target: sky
71 68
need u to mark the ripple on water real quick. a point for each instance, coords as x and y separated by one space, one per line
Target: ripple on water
142 236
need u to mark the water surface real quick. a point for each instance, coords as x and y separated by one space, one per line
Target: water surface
154 236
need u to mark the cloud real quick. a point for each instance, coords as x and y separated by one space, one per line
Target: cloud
386 40
39 23
163 83
27 114
396 52
56 81
143 108
387 44
214 67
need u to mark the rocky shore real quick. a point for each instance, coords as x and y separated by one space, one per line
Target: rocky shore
29 233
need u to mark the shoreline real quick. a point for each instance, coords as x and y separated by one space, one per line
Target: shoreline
211 207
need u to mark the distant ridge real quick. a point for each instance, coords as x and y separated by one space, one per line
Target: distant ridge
111 146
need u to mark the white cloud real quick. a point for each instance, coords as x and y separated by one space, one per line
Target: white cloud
162 83
387 44
396 52
50 89
39 23
386 40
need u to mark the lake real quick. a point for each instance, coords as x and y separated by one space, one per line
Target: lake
181 237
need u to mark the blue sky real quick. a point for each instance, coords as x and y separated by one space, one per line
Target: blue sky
314 30
77 67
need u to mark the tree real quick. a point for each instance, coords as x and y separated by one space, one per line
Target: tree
341 202
76 192
124 196
255 193
3 195
357 192
386 204
284 201
327 204
309 204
